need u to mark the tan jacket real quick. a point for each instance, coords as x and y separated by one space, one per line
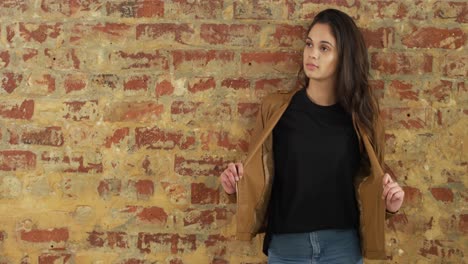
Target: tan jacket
254 189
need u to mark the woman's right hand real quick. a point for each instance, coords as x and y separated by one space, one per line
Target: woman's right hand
233 173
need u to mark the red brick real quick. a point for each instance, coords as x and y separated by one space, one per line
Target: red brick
222 140
30 32
206 166
377 87
11 160
194 112
270 63
81 110
137 83
204 195
176 193
264 87
70 8
195 9
136 9
204 218
109 187
404 90
108 239
144 189
431 37
439 91
202 61
3 235
61 59
455 65
75 162
379 38
389 9
105 80
176 261
46 81
164 87
413 195
153 215
10 32
451 10
248 110
29 54
82 33
11 81
140 60
133 261
258 9
83 167
167 32
55 258
288 36
430 248
341 3
463 223
74 82
405 118
45 235
181 107
442 194
4 59
133 111
48 136
15 111
397 221
217 260
232 35
155 138
173 243
236 84
401 63
201 84
9 5
117 136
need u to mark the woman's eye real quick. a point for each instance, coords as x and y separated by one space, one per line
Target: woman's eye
308 44
324 48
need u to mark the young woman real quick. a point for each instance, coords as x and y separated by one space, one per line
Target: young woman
313 177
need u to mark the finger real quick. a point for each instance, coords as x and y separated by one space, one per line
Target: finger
227 187
233 170
240 169
231 178
387 190
390 194
398 195
387 178
388 187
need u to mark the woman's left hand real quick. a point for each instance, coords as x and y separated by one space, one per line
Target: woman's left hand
392 193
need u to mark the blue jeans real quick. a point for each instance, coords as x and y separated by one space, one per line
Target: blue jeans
331 246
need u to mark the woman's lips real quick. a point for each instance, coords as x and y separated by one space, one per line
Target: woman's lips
311 66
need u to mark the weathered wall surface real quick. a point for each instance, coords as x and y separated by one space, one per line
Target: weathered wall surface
116 118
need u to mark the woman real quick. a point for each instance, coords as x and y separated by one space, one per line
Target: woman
323 145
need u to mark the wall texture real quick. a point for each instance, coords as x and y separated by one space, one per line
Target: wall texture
116 118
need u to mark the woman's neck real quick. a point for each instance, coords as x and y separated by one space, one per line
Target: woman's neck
321 93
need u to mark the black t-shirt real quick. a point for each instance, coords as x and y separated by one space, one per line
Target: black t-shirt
316 156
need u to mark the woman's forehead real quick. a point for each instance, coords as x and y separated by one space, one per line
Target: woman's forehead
321 32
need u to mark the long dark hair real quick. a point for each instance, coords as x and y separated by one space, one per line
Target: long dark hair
352 84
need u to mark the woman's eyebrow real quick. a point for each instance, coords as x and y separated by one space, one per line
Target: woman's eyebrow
323 41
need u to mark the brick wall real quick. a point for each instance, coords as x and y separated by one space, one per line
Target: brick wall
116 118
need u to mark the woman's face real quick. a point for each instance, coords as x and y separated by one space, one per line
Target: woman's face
320 53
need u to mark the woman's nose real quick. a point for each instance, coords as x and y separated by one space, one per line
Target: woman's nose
313 54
